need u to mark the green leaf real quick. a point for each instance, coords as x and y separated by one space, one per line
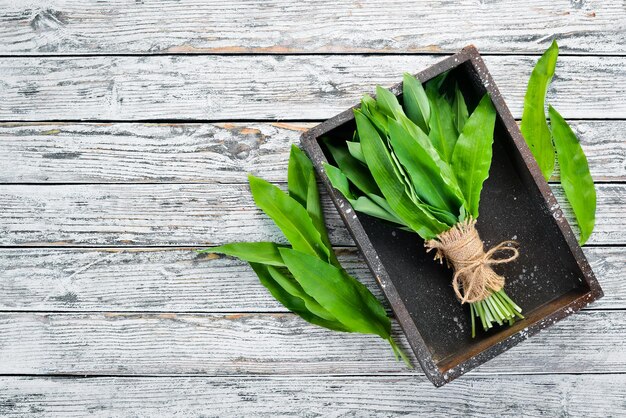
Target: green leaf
293 303
340 294
292 219
434 84
415 101
355 150
388 102
299 170
369 107
367 206
575 176
285 280
443 133
381 165
534 126
422 169
460 109
358 173
302 185
444 168
254 252
472 154
362 204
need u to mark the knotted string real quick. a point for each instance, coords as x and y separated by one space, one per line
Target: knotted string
462 248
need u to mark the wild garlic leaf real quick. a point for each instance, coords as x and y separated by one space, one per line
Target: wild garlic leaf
293 303
299 171
358 174
254 252
340 294
388 103
575 176
422 169
369 107
534 126
366 205
285 280
460 109
292 219
416 105
471 159
445 170
354 148
361 204
382 167
443 133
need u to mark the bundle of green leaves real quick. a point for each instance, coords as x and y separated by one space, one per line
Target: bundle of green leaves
306 276
421 166
544 140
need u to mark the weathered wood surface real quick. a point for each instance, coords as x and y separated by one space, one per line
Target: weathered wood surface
282 343
190 214
207 153
178 280
263 396
75 27
268 87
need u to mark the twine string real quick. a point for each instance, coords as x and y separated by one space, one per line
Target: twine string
463 250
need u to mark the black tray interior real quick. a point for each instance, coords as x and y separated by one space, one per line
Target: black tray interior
543 279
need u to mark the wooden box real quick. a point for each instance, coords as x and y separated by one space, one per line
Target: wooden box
550 280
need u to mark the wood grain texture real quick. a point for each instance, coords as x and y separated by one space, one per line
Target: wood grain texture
190 214
208 153
268 87
178 280
217 344
276 26
262 396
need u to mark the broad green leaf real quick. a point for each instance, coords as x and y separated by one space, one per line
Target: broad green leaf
435 83
472 154
340 294
391 185
314 209
299 170
355 150
444 168
380 201
292 219
362 204
367 206
254 252
422 169
302 185
293 303
369 107
339 180
415 101
460 109
534 126
575 176
443 133
358 173
290 285
388 102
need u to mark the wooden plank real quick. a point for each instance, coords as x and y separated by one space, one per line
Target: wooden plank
263 396
282 343
189 214
209 153
267 87
178 280
73 27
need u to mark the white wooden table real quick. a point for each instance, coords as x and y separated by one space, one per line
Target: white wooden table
127 129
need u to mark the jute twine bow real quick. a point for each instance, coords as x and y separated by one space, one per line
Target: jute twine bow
462 248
